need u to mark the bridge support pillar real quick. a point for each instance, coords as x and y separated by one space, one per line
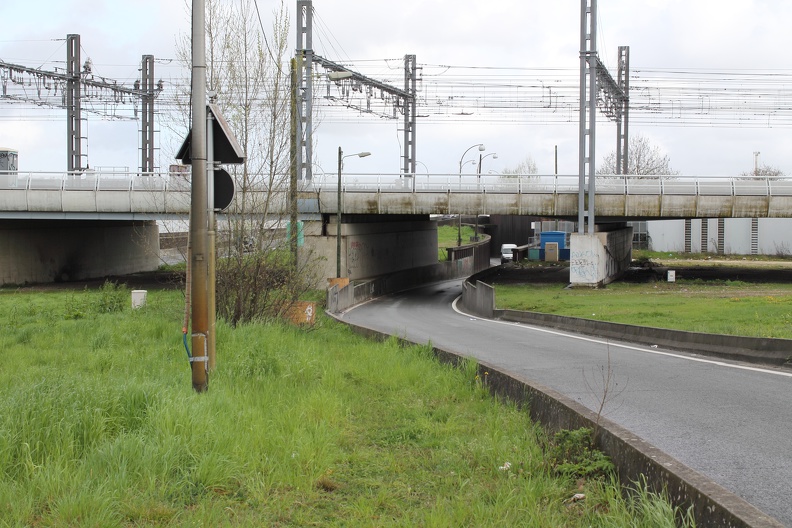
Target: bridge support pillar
599 258
40 251
371 246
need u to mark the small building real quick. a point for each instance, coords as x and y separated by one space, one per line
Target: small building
739 236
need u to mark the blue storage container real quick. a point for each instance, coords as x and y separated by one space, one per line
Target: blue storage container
553 236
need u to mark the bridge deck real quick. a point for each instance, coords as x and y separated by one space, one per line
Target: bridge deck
82 195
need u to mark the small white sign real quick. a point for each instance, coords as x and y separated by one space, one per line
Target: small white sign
671 276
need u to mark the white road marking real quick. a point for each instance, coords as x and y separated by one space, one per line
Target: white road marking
627 347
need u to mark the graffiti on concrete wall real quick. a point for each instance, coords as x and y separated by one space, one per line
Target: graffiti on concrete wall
584 263
357 251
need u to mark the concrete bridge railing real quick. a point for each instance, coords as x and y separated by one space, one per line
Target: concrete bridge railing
618 197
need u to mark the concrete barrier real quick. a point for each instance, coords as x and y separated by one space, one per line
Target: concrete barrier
761 350
476 300
635 459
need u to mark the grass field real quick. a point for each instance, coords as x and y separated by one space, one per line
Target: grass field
730 307
447 236
99 426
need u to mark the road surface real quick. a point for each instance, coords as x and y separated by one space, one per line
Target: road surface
730 421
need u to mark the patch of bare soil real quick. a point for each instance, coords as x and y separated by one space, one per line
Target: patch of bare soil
153 280
728 271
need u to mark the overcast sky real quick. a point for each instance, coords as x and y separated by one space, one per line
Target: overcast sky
692 34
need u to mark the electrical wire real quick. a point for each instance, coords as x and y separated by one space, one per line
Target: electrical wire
456 93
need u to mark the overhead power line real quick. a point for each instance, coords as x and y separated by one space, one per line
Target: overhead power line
526 95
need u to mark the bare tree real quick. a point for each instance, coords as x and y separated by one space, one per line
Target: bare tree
248 78
643 158
765 171
526 166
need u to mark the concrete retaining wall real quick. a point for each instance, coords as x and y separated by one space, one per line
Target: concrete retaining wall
712 505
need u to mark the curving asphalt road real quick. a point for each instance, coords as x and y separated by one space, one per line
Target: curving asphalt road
730 421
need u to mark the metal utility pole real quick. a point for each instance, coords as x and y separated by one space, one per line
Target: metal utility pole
304 58
338 215
596 80
74 116
410 80
199 204
623 112
588 112
293 217
211 240
147 114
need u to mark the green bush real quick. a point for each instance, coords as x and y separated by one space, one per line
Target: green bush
573 455
112 297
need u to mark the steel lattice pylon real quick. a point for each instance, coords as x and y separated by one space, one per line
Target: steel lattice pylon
78 83
306 58
597 86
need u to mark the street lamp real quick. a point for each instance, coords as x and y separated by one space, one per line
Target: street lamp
478 180
481 158
468 162
481 148
338 209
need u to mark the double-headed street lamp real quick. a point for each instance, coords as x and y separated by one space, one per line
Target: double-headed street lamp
481 158
481 148
338 210
478 179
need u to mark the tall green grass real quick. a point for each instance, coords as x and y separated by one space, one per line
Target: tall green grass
99 426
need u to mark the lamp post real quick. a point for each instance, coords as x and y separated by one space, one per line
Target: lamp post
481 158
338 209
481 148
415 176
478 180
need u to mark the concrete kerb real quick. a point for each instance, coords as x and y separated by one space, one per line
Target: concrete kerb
764 351
712 505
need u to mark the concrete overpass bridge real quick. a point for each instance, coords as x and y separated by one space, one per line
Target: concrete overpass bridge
135 196
73 225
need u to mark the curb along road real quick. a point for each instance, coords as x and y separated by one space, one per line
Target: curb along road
691 432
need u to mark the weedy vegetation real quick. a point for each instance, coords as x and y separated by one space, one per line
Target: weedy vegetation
99 426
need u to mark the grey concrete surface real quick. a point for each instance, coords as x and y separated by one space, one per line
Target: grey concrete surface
732 422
